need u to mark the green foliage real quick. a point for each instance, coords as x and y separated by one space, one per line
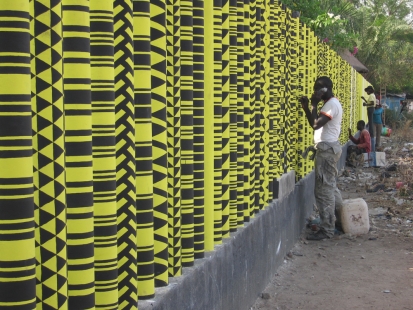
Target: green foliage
395 120
381 31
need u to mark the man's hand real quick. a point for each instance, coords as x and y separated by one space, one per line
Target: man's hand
349 132
304 102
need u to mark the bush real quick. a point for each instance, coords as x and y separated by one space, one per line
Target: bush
395 120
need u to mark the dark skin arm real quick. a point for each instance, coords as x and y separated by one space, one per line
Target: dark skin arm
315 120
365 101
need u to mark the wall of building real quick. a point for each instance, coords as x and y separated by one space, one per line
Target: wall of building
137 135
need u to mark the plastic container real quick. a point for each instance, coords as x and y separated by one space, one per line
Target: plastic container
354 216
386 132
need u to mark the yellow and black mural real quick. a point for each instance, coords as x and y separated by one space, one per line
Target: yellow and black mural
136 135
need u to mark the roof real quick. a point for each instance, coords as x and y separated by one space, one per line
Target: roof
353 61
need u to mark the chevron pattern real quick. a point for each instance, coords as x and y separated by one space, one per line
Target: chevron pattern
125 155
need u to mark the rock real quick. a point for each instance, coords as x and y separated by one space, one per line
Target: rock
376 188
392 168
385 175
265 296
386 291
399 202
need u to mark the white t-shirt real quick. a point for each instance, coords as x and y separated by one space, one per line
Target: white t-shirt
330 132
371 100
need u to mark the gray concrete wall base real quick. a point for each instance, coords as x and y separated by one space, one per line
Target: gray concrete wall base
233 276
286 184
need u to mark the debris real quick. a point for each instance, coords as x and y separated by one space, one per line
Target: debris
405 150
385 175
297 254
377 211
399 202
362 257
377 188
399 185
372 238
392 168
290 254
386 291
265 296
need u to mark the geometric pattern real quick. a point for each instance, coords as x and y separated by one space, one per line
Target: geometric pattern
174 136
187 132
246 127
240 113
159 140
198 127
254 190
125 155
143 149
218 130
104 153
233 107
78 154
134 134
48 154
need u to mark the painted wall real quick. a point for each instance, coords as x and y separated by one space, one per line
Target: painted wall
136 135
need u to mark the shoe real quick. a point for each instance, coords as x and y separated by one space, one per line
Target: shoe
320 235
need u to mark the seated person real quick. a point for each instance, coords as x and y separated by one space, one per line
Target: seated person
363 143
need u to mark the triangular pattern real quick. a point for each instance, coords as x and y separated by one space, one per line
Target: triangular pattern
48 97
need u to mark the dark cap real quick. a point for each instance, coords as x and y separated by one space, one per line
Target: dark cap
369 88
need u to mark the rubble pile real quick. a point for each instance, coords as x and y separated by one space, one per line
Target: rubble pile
387 190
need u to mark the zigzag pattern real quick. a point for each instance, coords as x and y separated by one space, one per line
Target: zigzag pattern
125 155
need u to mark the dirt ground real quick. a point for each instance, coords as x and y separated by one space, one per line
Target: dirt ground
373 271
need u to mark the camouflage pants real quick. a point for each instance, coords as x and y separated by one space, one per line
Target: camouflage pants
327 196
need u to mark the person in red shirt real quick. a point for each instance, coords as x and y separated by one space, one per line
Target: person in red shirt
363 143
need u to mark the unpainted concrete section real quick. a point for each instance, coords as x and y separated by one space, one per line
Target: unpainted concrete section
286 184
233 276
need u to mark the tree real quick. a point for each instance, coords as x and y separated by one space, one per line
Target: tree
379 31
